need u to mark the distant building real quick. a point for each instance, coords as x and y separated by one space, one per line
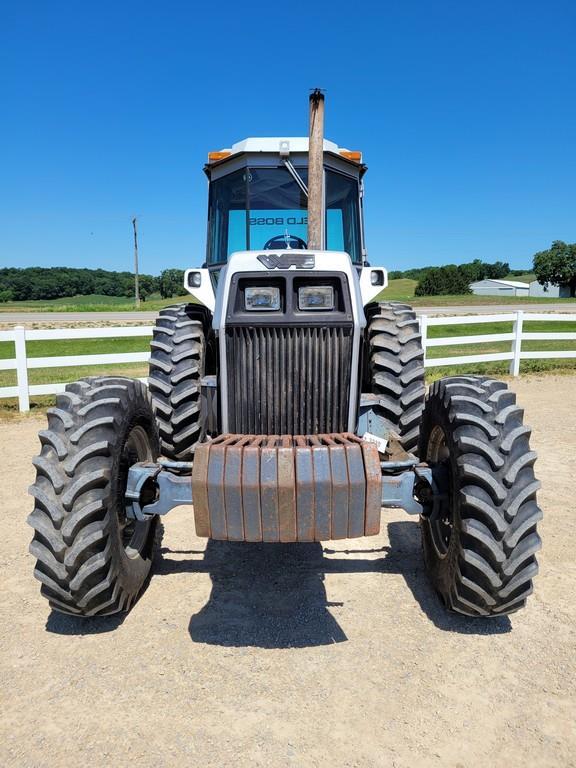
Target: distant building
549 290
491 287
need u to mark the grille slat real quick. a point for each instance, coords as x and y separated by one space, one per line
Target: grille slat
288 380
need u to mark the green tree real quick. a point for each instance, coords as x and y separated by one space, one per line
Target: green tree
148 285
443 281
497 270
474 270
557 265
171 283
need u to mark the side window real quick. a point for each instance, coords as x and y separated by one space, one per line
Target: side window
227 217
343 215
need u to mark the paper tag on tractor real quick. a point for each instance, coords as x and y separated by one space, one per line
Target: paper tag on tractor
379 442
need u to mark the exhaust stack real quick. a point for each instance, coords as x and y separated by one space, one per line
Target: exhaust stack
316 172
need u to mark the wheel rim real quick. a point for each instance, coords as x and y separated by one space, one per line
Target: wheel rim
133 533
439 511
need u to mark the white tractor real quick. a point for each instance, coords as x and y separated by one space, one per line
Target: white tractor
286 405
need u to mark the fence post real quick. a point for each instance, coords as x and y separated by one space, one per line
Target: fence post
517 343
21 368
424 332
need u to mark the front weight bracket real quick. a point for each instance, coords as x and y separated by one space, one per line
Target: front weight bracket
164 484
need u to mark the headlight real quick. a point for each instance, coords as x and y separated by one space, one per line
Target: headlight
262 298
194 279
316 297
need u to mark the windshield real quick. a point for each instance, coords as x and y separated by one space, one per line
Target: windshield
264 208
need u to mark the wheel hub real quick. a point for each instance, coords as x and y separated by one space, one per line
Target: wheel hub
439 514
137 448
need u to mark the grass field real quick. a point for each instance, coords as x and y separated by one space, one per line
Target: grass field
96 298
74 347
94 303
527 277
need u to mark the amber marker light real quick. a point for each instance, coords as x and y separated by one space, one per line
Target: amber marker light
213 157
355 156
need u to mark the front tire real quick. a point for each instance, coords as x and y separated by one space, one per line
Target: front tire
177 364
396 368
91 559
479 527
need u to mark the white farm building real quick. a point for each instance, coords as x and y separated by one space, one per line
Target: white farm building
549 290
491 287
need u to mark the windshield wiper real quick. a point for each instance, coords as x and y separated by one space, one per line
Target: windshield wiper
295 175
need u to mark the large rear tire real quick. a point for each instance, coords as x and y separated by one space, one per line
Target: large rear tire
92 559
479 527
396 365
176 368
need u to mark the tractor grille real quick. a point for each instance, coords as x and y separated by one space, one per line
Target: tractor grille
288 380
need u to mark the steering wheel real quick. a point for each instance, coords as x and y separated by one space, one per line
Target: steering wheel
281 242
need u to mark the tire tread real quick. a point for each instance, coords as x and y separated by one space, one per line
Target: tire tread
176 364
396 361
72 527
496 496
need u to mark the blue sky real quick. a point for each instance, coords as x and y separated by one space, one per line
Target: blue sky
465 112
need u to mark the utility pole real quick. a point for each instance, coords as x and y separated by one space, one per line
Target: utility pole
316 172
136 285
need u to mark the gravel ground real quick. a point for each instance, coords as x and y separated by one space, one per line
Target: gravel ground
295 655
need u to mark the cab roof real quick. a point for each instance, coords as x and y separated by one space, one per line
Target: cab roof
276 143
283 146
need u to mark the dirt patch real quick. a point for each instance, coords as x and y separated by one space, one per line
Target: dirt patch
295 655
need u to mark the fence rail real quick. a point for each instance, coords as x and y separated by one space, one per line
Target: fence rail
518 335
21 363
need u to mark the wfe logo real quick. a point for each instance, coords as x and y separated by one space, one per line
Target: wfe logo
286 260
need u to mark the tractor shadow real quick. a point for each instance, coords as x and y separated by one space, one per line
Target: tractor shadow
266 595
63 624
406 558
273 595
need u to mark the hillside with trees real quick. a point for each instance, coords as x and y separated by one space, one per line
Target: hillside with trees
455 279
45 283
476 270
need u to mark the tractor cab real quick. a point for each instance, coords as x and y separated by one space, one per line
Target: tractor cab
258 199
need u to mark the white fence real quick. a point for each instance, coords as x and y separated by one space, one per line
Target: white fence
21 363
516 337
